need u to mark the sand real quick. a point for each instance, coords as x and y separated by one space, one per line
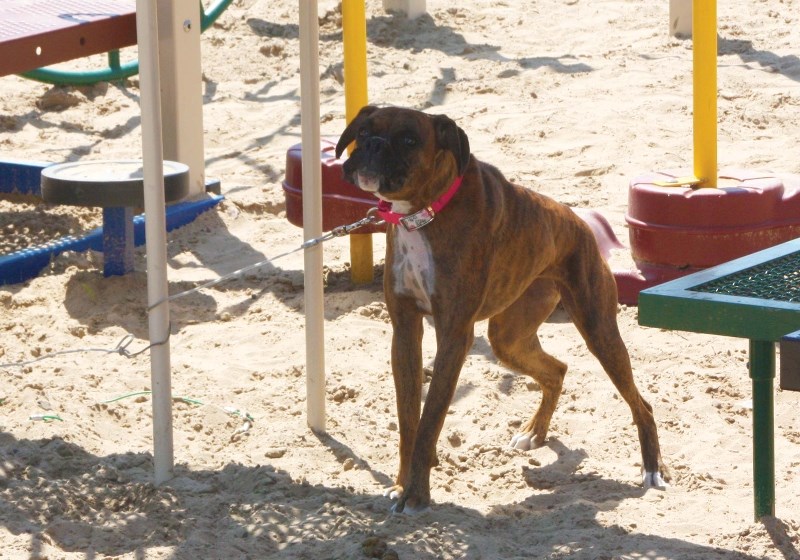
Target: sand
570 98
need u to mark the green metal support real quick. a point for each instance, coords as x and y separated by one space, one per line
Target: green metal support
756 297
762 373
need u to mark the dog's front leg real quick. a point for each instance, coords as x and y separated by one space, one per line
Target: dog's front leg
407 373
452 347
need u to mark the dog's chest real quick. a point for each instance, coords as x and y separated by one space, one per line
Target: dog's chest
412 267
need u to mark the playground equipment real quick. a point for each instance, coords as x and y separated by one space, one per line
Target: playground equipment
170 77
680 17
740 228
754 297
312 217
354 42
117 187
157 286
35 32
679 221
306 189
682 221
116 70
309 174
342 202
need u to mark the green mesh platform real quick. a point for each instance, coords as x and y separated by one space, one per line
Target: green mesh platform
755 297
776 280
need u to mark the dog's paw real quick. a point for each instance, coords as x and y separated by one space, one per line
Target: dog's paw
409 509
394 492
523 442
654 480
404 504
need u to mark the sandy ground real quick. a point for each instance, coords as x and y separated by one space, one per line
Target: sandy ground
571 98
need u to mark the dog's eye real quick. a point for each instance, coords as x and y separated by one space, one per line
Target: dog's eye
410 141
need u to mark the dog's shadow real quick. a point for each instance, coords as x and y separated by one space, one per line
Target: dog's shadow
60 497
566 472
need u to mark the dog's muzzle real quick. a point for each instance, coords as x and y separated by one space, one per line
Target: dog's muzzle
375 145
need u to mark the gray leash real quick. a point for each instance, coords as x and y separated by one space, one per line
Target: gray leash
339 231
122 346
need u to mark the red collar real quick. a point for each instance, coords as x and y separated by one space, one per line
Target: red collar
422 218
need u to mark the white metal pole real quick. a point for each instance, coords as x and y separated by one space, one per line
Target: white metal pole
155 231
312 213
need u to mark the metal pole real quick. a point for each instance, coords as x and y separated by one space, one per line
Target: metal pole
312 214
354 42
155 232
704 67
762 373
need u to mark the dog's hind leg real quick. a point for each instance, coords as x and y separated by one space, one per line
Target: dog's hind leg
590 299
512 334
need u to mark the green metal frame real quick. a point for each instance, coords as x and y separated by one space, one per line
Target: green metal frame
683 305
115 70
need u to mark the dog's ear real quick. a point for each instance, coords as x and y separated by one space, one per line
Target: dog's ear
450 137
351 131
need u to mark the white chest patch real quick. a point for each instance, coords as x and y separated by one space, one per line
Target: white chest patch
413 267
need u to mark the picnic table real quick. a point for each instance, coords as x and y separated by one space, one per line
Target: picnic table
36 33
755 297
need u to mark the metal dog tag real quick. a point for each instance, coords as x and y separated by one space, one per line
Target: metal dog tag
418 220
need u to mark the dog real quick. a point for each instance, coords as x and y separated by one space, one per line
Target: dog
464 245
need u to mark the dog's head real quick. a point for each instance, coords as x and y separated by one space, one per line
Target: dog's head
402 154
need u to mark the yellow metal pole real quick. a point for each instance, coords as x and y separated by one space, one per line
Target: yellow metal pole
354 39
704 67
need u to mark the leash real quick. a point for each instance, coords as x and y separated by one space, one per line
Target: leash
121 348
371 218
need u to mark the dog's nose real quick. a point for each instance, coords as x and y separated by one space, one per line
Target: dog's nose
374 144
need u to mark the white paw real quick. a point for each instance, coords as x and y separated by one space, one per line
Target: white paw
408 510
523 441
394 494
654 480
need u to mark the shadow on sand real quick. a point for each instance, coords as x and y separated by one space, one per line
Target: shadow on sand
60 497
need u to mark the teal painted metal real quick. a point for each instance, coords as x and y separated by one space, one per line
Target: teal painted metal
115 70
208 17
789 366
683 304
680 305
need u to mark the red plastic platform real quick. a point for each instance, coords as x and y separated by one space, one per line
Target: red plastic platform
674 230
342 202
678 230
